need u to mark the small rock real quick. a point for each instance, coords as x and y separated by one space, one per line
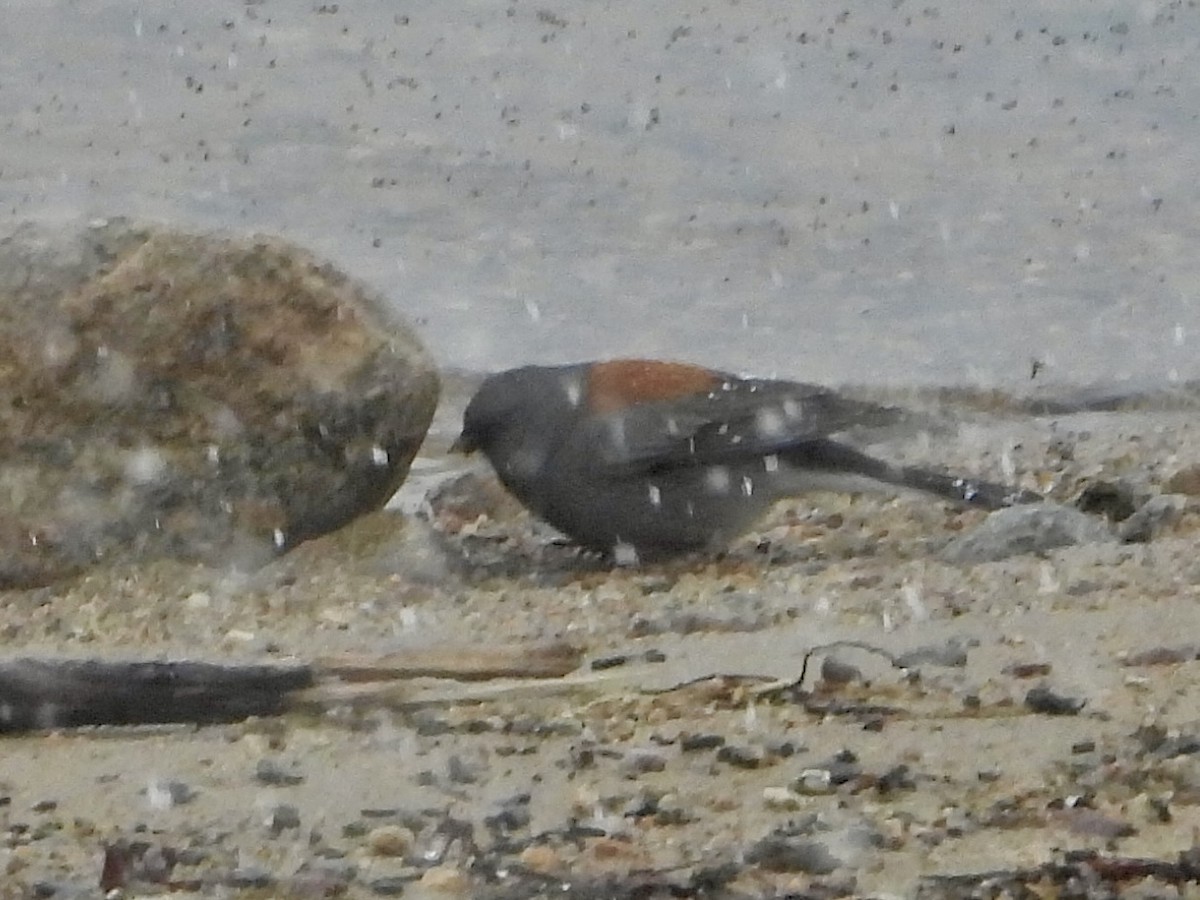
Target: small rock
742 757
1093 823
952 655
250 877
843 767
282 817
834 671
785 854
781 799
691 743
1152 517
639 762
354 829
813 782
1043 700
542 859
164 794
388 885
1161 656
446 880
459 772
897 778
1028 669
609 662
271 771
512 816
1032 528
1115 500
644 804
672 811
390 840
1185 481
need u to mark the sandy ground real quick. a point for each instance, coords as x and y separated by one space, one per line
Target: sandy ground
879 774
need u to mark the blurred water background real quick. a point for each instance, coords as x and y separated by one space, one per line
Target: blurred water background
888 193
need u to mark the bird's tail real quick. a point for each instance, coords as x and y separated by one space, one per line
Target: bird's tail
830 456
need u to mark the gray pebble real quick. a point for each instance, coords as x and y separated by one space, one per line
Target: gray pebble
742 757
951 654
273 772
1034 528
389 886
639 762
250 877
1151 517
282 817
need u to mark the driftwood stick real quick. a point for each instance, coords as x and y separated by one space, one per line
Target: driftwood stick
461 663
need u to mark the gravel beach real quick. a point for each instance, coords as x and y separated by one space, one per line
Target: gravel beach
828 709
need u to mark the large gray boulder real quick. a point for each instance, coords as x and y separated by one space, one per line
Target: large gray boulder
209 398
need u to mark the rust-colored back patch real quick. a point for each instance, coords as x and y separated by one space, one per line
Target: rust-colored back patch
620 383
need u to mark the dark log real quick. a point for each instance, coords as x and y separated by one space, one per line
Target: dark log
40 694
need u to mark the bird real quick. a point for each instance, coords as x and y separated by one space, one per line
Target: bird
643 459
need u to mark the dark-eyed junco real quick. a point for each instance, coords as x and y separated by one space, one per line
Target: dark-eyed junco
646 459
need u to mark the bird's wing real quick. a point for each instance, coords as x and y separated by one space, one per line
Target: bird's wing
738 419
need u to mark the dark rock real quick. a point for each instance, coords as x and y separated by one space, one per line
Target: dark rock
355 829
272 772
389 885
843 767
609 662
1115 500
1045 701
639 762
171 395
741 756
458 771
834 671
691 743
250 877
644 804
1028 669
898 778
785 854
513 815
283 817
1179 745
